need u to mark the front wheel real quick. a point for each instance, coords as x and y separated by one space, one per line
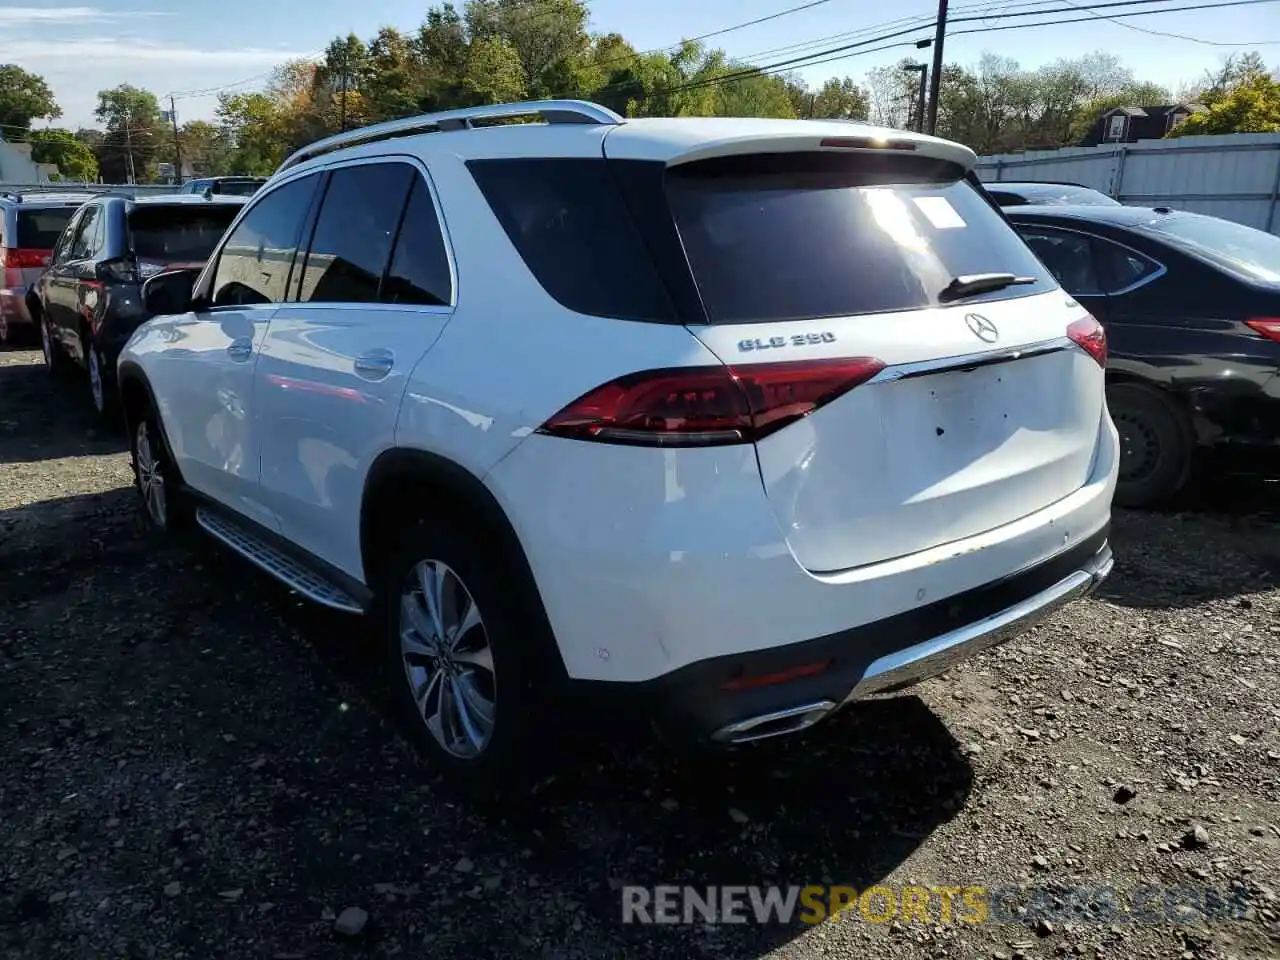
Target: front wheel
457 666
1156 445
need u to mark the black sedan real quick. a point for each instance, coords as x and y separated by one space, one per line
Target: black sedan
1008 193
1191 306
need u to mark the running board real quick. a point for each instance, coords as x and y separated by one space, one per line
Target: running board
293 574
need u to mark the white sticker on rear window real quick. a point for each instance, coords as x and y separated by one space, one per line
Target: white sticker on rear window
940 212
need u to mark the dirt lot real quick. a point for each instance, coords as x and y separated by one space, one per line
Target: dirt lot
193 765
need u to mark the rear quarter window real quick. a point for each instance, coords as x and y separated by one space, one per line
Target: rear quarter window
567 220
809 235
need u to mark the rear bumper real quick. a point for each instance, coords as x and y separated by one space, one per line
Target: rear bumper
706 700
13 305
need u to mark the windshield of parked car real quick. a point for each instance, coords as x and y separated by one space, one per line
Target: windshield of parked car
40 229
1055 194
1244 251
801 236
179 234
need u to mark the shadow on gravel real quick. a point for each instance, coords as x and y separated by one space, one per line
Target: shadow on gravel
844 804
46 419
1161 562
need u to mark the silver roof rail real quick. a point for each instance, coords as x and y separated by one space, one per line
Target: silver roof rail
551 111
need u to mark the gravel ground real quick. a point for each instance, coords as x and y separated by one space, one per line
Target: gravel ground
194 765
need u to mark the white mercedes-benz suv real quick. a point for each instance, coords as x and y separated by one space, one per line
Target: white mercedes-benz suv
733 420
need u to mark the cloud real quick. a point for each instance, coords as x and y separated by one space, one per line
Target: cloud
134 50
16 15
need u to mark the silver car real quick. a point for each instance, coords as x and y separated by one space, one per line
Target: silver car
30 224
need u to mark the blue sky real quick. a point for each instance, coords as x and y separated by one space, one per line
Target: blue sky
185 45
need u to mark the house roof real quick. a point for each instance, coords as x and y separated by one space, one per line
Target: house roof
1156 110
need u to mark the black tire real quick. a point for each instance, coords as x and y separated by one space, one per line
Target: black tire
54 360
519 748
1156 445
102 394
150 458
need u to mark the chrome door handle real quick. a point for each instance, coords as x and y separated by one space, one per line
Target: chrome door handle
374 365
240 349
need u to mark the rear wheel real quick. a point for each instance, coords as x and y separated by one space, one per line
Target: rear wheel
54 361
456 661
156 478
1156 445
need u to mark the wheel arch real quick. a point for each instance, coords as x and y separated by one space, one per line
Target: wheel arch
402 481
136 396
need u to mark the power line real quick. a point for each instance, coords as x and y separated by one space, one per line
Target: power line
1163 33
839 53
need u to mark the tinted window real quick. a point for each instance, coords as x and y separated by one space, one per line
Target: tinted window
177 234
1007 199
354 232
799 236
1242 250
254 264
568 222
419 271
40 229
84 245
1120 268
62 251
1070 258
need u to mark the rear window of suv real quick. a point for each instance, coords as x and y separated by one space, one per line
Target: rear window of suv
178 233
40 229
806 235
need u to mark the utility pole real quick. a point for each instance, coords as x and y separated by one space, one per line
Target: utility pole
177 144
128 140
343 112
940 33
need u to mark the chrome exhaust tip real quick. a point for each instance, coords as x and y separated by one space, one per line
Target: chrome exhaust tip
774 724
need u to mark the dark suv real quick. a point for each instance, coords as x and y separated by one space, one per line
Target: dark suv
30 222
89 300
224 186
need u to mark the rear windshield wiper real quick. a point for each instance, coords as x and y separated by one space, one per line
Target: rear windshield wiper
975 283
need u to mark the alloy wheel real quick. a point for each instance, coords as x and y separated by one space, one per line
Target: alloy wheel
150 477
448 661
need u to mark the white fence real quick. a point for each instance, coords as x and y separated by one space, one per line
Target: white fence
1236 177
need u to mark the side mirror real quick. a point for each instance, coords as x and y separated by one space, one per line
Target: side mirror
169 293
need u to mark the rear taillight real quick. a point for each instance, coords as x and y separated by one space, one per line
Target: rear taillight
1088 334
121 269
1269 327
24 258
705 406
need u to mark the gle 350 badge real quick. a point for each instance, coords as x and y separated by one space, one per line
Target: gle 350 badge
776 343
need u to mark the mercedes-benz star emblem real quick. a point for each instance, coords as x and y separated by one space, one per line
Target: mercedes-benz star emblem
982 328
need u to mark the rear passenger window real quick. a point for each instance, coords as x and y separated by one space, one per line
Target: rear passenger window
569 224
1069 256
354 233
419 271
1121 268
253 267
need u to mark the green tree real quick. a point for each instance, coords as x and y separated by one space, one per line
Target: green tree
75 160
254 131
133 134
205 148
1251 107
840 99
23 97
